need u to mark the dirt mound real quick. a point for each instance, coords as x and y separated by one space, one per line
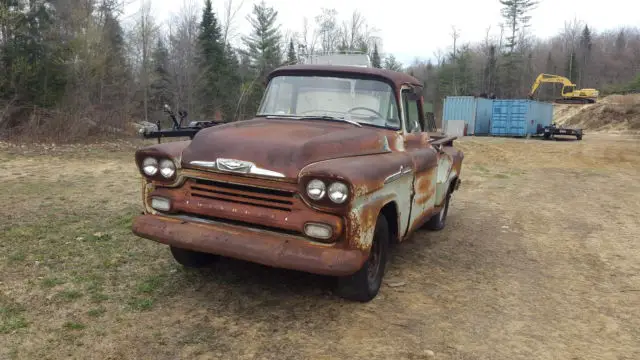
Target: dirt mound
614 113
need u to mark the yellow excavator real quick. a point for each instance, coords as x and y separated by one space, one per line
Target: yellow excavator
569 93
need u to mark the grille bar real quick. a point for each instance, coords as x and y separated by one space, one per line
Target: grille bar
242 194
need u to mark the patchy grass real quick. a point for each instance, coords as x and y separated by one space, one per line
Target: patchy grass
539 260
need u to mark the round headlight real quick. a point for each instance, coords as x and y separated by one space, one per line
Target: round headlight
150 166
167 168
338 192
316 189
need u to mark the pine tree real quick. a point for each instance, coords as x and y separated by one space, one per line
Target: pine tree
291 54
585 50
160 86
375 57
464 71
391 63
231 83
262 47
211 61
515 13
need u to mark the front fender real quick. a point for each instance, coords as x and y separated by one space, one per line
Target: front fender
374 182
449 170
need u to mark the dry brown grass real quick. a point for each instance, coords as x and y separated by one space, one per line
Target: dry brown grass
614 113
540 260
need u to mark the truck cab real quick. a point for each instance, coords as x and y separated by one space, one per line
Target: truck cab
334 168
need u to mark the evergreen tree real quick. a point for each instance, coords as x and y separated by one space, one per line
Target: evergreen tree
211 61
114 68
160 85
464 71
231 83
585 51
262 47
291 54
375 57
621 42
391 63
515 14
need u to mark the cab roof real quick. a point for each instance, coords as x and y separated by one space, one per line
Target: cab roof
395 77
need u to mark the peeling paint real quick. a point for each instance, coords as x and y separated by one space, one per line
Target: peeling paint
267 215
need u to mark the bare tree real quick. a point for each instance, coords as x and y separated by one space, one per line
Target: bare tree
228 29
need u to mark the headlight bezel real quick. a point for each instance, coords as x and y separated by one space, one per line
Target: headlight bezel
325 202
158 160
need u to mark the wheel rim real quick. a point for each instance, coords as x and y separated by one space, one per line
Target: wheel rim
443 212
374 263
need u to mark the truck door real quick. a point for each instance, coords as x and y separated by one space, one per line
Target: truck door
424 158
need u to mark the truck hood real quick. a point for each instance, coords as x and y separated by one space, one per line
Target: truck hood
281 146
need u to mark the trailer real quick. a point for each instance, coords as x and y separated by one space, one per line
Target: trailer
551 131
178 130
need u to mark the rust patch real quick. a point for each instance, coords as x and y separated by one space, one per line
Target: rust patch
249 205
284 146
425 188
259 246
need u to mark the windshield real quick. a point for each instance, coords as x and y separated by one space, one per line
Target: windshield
365 101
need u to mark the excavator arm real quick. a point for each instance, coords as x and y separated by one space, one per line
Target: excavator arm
548 78
569 93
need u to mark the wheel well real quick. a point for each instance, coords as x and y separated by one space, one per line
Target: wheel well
390 212
452 185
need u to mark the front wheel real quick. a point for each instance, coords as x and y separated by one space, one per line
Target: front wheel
439 220
192 259
363 286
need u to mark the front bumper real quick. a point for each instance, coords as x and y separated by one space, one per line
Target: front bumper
259 246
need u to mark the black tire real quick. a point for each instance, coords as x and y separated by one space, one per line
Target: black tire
439 220
547 136
192 259
364 285
579 137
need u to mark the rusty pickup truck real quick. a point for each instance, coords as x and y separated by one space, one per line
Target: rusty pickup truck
335 167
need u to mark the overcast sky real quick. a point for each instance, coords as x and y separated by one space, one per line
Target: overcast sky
420 27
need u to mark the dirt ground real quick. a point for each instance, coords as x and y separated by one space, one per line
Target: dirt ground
615 114
540 260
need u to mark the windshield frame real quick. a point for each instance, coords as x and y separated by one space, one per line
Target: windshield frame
335 75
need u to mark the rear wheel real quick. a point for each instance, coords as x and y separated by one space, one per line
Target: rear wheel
364 285
192 259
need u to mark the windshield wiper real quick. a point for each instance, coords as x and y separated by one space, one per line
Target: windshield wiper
327 117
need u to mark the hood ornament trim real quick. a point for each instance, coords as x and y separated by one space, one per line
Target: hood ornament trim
236 166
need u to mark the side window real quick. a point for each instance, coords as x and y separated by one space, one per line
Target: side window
411 112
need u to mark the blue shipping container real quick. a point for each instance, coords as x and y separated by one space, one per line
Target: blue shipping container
460 108
476 113
519 117
484 110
